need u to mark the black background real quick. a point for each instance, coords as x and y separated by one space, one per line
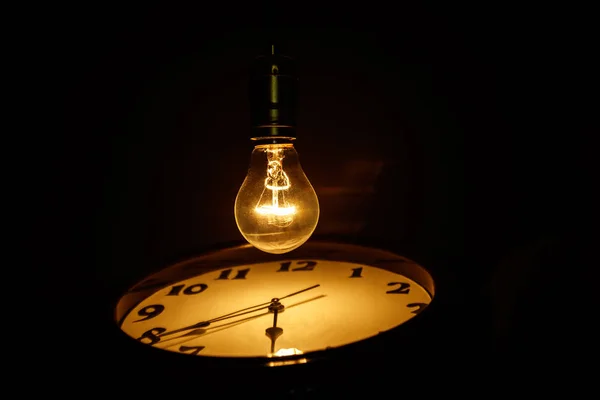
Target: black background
460 137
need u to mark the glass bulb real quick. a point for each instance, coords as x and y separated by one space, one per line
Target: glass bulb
276 208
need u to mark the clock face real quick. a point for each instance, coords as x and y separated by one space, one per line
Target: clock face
275 308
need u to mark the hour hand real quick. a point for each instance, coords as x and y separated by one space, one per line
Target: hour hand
204 324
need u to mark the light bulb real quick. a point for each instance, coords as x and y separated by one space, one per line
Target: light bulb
276 208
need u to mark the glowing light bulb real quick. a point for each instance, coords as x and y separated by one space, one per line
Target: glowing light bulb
276 208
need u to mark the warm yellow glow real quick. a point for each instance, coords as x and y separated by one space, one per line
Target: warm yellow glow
347 302
274 205
276 209
287 352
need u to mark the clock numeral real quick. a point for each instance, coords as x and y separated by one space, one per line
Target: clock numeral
308 266
193 350
241 274
192 289
150 312
151 336
420 307
403 289
356 272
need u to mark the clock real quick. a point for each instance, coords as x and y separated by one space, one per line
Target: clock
239 304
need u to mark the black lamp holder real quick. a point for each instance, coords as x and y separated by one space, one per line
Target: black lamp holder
273 97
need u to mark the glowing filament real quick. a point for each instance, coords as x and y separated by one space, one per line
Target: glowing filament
275 206
278 211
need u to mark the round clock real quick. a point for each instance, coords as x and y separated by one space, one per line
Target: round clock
239 303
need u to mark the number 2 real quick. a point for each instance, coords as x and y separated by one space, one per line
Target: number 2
403 289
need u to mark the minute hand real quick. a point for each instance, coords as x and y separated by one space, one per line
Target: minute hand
247 310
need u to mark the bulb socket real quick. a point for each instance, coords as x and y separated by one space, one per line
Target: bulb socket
273 90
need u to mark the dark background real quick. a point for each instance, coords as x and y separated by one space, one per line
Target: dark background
460 137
